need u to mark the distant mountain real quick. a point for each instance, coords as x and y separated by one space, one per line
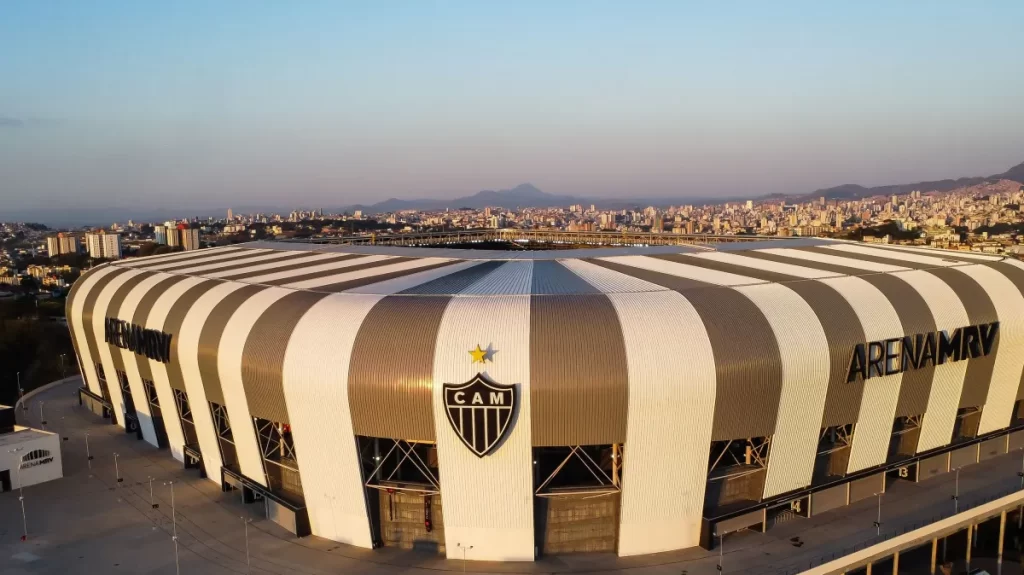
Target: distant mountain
854 192
523 195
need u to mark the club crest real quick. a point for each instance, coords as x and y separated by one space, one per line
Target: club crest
480 412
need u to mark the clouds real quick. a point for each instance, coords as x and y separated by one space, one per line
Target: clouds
9 122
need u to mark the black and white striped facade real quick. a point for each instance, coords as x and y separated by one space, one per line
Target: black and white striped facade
660 350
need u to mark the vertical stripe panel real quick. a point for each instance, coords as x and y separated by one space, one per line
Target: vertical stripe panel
947 380
805 361
878 402
1009 361
263 356
129 361
188 356
158 320
488 501
229 367
82 290
671 368
315 385
101 310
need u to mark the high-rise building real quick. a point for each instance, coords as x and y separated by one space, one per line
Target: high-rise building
102 244
173 235
190 238
62 244
160 234
231 215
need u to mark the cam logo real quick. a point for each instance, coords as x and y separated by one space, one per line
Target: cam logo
480 412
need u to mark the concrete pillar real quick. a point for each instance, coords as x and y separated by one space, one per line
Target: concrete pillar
896 563
868 572
1002 536
935 550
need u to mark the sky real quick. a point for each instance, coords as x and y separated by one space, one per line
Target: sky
203 104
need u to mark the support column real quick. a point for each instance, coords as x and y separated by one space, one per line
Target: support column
1002 536
868 570
970 537
896 563
935 550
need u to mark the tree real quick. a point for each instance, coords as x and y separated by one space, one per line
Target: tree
29 284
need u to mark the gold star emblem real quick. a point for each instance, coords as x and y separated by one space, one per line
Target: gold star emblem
479 355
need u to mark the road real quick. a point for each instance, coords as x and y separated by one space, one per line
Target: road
88 522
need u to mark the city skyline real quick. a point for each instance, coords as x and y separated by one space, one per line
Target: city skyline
210 106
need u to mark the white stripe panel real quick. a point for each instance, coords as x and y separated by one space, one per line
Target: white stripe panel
214 257
257 259
803 349
948 380
873 429
836 260
671 369
315 378
156 320
941 253
229 365
684 270
905 256
311 259
99 330
273 276
1009 362
1014 262
167 258
370 272
609 281
188 356
131 366
78 321
488 501
766 265
395 285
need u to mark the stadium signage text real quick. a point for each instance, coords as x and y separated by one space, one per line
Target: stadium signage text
155 345
899 354
480 412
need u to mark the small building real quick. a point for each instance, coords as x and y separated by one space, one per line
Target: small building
27 456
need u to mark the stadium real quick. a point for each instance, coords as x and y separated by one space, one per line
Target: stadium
512 404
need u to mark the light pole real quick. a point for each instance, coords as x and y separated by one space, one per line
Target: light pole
117 471
63 372
956 493
21 394
721 551
464 549
42 419
21 496
245 524
152 503
878 520
174 529
88 455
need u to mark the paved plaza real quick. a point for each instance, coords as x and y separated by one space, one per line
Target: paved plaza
88 522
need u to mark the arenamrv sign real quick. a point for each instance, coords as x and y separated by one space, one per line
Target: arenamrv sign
899 354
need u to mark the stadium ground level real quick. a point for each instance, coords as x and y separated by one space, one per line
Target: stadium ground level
87 522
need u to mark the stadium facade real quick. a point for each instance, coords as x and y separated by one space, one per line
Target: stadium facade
633 400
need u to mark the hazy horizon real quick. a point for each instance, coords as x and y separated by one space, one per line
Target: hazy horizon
204 105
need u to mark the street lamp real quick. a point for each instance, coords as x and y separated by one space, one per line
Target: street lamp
63 372
956 493
42 418
21 496
878 519
245 523
464 549
21 394
721 551
117 471
174 529
152 503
